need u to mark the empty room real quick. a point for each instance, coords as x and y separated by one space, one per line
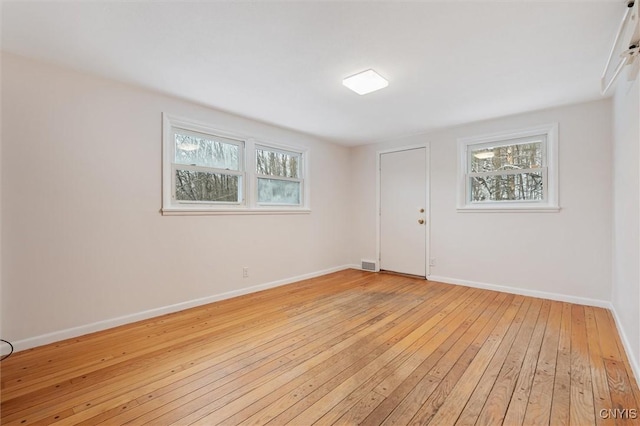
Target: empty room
320 212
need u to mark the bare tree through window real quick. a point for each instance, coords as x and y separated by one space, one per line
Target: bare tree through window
507 172
278 176
201 163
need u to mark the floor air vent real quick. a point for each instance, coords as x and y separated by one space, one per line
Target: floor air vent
368 265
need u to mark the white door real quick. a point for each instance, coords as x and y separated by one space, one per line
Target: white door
403 206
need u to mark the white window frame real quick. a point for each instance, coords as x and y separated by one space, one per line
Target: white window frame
247 170
301 172
549 203
240 172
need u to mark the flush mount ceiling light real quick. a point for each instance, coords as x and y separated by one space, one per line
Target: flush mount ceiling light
484 155
365 82
187 146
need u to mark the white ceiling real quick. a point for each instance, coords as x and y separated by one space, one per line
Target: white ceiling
283 63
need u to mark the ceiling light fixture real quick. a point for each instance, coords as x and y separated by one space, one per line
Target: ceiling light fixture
365 82
187 146
484 155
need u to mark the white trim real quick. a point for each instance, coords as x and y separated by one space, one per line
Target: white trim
195 211
510 134
625 342
551 201
305 173
69 333
427 148
271 177
504 209
635 367
541 170
171 122
524 292
427 225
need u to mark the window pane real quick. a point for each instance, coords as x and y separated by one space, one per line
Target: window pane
277 163
203 186
507 157
206 151
518 187
278 191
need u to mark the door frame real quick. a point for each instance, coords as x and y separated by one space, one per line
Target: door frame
427 208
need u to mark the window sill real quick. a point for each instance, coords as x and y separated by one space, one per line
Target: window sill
510 209
182 211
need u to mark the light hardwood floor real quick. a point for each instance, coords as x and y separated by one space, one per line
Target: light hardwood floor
347 348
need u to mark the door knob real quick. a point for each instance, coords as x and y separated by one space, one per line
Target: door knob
421 221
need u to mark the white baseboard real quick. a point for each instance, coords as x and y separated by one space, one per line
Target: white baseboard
553 296
69 333
625 342
524 292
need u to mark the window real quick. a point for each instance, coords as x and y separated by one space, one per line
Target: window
206 170
278 176
509 171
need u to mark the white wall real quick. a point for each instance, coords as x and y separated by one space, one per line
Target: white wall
2 349
83 240
626 213
567 254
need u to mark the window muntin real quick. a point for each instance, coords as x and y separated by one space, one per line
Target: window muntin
512 171
278 176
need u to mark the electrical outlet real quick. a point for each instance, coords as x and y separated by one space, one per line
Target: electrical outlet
245 272
432 261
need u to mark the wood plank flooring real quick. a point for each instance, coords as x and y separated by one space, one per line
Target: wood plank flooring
346 348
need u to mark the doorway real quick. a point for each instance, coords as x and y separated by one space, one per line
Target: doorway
403 209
